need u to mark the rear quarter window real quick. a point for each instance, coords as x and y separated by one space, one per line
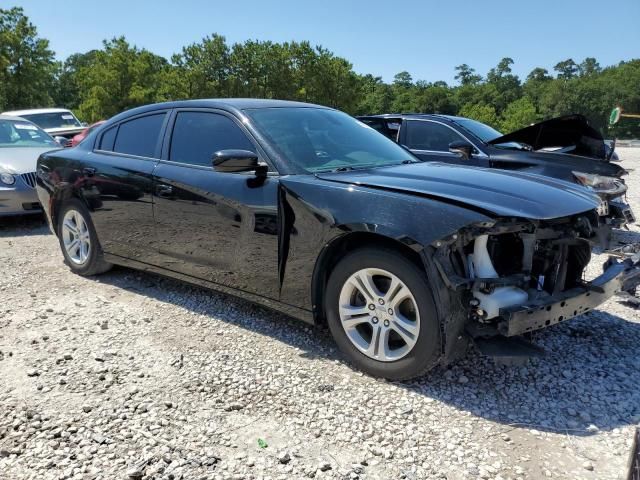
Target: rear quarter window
139 137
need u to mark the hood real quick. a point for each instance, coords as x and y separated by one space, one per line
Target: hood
571 132
501 192
20 159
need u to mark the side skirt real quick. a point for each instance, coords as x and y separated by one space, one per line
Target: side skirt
295 312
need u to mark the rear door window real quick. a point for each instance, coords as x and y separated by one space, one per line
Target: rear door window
108 139
140 136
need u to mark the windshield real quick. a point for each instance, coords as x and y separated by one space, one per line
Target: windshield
318 139
479 129
53 120
14 133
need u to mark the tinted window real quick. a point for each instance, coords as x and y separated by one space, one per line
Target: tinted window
198 135
430 136
139 136
108 138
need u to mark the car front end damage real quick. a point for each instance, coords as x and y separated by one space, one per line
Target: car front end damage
515 276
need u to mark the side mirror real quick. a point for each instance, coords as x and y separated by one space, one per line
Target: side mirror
462 148
231 161
64 142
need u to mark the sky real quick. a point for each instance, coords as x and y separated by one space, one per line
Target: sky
427 38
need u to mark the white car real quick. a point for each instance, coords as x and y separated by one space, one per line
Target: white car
57 122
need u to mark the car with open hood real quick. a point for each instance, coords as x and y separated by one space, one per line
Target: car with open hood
21 143
567 147
305 210
60 123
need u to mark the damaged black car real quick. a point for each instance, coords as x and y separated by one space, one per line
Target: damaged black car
566 147
305 210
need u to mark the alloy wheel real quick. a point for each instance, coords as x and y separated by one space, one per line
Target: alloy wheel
379 314
75 236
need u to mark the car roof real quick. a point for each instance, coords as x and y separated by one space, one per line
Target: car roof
232 104
35 111
438 116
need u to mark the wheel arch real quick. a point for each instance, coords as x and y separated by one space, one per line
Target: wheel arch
339 247
59 198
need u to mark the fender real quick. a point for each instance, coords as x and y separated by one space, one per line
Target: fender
320 213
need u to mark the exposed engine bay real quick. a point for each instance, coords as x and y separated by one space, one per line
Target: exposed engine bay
515 276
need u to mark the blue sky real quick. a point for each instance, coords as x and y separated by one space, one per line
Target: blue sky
426 38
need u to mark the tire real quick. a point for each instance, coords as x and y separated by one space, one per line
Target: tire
390 359
88 258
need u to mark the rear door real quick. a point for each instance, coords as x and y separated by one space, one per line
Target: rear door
116 181
429 140
221 227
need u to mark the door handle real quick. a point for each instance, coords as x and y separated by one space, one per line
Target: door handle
164 190
88 171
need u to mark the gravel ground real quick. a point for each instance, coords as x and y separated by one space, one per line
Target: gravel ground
130 375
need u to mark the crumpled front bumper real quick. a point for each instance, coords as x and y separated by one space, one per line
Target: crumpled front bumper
548 310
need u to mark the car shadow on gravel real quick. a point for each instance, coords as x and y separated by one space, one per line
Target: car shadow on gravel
23 226
587 381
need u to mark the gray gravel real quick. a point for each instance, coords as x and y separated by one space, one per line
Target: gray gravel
130 375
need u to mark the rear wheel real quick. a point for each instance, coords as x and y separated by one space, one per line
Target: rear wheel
78 240
381 313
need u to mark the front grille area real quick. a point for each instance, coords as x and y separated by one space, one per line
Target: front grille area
29 179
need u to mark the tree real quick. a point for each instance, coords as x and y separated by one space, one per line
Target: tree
566 69
507 86
518 114
120 77
589 66
27 64
481 112
466 75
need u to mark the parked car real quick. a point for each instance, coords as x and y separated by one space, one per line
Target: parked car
566 147
60 123
306 210
21 142
82 135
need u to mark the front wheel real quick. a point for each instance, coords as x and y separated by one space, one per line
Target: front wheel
381 313
78 240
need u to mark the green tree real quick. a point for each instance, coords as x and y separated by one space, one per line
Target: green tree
518 114
120 77
27 65
466 75
482 112
566 69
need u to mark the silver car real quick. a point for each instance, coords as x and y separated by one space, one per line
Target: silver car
21 143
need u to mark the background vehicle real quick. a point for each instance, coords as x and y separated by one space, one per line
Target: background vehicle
82 135
60 123
306 210
21 142
567 148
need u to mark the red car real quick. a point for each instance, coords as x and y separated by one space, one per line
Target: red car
81 136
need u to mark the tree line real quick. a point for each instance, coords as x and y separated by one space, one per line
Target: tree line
100 83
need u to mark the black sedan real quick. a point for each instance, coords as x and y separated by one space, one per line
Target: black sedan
308 211
567 147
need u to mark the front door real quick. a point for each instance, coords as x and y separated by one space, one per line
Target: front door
220 227
429 141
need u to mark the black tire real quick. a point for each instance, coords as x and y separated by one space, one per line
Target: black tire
95 263
427 350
